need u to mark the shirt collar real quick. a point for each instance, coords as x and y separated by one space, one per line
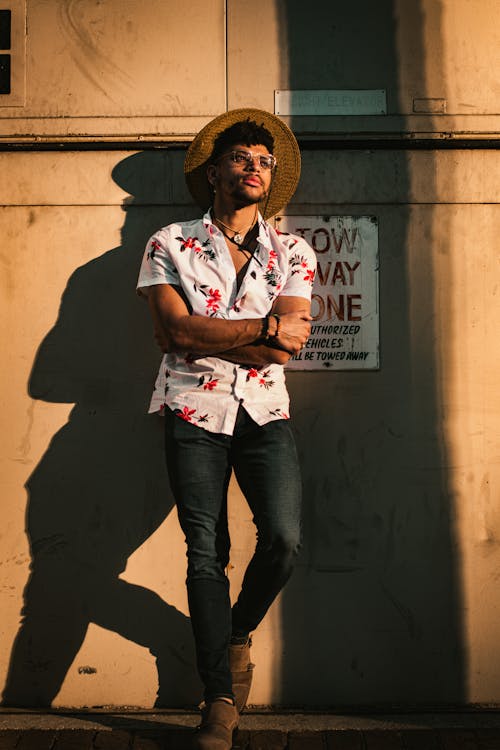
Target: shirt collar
263 237
207 219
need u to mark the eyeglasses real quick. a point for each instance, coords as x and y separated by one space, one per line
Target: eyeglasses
266 161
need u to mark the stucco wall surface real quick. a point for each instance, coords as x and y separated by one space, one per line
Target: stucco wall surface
395 596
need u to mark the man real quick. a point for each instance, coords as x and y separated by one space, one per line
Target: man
230 301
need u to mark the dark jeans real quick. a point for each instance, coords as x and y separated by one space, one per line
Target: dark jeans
264 459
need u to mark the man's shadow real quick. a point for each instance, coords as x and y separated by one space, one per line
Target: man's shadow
101 489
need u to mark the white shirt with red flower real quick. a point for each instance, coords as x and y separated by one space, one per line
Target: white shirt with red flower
193 255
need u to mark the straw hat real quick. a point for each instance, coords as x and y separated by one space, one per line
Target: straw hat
285 175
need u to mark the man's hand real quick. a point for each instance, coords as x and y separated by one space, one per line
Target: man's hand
294 313
294 330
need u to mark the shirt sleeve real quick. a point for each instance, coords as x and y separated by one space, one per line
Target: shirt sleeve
301 269
157 266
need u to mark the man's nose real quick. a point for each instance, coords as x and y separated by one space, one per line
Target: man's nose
254 164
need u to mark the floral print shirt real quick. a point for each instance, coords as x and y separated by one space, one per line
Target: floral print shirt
193 255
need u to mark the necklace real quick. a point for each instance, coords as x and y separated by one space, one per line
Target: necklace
237 237
244 248
238 241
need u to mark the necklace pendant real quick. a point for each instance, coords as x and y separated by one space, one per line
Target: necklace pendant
238 238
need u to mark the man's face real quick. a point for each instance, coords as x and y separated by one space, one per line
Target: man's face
238 181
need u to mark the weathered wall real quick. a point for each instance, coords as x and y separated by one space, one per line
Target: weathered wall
395 596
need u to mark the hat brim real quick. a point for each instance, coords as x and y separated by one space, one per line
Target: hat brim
285 175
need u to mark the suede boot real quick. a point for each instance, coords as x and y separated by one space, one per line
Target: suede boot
241 672
218 722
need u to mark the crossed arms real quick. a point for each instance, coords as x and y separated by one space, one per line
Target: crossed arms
176 330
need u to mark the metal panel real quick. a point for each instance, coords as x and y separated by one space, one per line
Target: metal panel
122 59
13 64
437 61
5 29
330 102
4 74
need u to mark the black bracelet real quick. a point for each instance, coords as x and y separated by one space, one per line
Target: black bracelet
264 331
278 321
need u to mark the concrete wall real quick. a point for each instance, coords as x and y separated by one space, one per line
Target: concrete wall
395 596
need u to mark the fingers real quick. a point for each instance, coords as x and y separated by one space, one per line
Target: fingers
295 329
296 316
295 341
304 314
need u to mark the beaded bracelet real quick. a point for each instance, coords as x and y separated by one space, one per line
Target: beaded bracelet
278 321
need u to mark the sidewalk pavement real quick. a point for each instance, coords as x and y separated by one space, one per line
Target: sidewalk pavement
128 729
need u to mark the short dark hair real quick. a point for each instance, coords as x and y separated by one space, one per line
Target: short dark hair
246 132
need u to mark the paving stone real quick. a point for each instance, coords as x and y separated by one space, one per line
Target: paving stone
420 739
148 743
74 739
270 739
36 739
488 739
344 740
178 739
9 739
113 740
306 741
241 739
458 739
380 740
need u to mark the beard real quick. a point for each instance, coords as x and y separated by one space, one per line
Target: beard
243 197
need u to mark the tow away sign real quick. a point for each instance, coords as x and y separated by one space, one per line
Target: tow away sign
345 325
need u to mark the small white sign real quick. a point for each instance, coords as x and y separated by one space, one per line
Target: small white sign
344 308
330 102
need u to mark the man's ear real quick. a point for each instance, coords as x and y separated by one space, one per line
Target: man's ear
212 174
